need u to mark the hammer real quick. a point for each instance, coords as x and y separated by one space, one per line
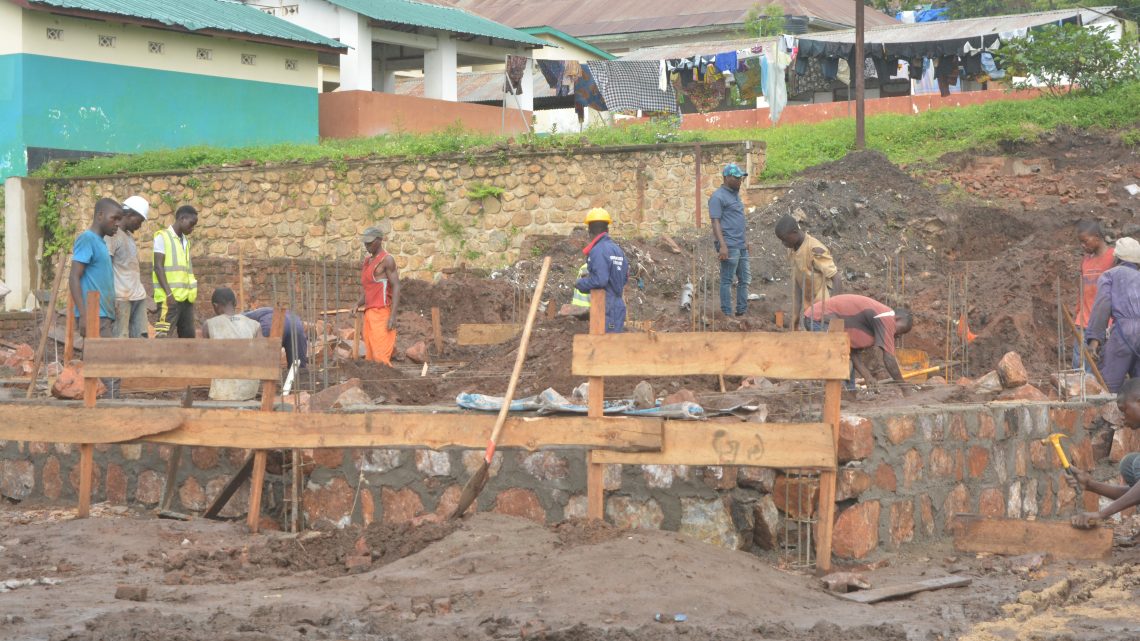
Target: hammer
1055 439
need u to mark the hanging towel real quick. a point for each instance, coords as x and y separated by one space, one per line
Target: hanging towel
726 61
663 77
631 85
749 79
774 88
516 67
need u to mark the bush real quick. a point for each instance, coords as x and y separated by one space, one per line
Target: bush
1069 57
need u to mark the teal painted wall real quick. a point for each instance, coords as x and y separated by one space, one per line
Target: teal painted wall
13 159
86 106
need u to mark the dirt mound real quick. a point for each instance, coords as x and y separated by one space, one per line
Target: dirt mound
326 552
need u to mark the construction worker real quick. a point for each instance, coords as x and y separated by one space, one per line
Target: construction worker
1124 496
91 268
1097 260
607 269
1118 297
228 324
130 296
868 324
293 337
175 288
726 211
814 274
580 302
381 298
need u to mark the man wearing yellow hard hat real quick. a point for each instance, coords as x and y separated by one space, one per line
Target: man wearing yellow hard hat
607 268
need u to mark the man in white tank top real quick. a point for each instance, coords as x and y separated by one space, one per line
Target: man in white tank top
228 324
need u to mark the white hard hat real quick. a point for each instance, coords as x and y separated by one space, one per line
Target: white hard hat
137 204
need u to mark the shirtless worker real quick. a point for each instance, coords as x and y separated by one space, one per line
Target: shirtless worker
868 324
812 266
1124 496
381 297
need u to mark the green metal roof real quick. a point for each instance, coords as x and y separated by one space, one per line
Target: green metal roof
433 16
196 15
569 39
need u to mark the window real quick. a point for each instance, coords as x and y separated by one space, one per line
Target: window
248 59
205 54
291 64
54 34
107 41
156 47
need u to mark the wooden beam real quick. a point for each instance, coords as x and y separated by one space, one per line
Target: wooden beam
973 533
155 385
268 400
486 333
436 330
90 393
595 405
895 591
230 489
832 396
797 356
253 358
782 445
246 429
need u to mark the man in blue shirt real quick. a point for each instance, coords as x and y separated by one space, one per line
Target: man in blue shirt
726 211
91 268
607 268
294 341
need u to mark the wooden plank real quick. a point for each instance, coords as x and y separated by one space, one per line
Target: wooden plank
90 393
230 489
825 528
253 358
257 479
154 385
282 430
797 356
268 394
595 402
895 591
782 445
973 533
436 330
486 333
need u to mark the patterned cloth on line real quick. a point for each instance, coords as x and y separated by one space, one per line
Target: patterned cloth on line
630 85
586 92
516 67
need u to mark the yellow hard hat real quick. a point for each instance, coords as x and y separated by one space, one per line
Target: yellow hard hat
597 214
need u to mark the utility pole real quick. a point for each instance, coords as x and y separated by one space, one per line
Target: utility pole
859 65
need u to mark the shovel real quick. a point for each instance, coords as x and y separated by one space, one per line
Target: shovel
476 483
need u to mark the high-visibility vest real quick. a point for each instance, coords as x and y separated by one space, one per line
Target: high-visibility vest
581 299
179 270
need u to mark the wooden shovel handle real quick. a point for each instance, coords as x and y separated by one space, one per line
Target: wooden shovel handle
519 358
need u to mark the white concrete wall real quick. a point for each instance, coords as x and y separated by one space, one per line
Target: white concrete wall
11 29
17 246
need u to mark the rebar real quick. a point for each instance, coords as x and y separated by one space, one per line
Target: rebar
325 325
1060 329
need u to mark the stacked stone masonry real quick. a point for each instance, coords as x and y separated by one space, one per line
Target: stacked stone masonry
904 474
316 211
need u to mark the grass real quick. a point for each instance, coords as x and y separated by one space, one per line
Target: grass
904 139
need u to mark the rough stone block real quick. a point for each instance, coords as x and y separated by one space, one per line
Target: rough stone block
710 521
630 513
1012 371
719 477
978 459
766 523
884 478
130 593
990 382
238 503
1013 503
902 522
991 503
912 468
957 501
957 424
148 488
663 476
17 479
521 503
856 531
1029 500
380 461
941 463
69 383
856 438
204 458
757 478
899 428
986 427
931 427
798 497
433 463
417 353
1023 393
473 460
611 477
544 466
116 484
1042 456
191 495
330 504
850 483
52 482
926 511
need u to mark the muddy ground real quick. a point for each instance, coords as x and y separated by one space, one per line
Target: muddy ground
499 577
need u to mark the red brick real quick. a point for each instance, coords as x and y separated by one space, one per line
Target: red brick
520 502
987 429
991 503
400 506
978 460
148 489
795 496
856 438
912 468
192 495
331 503
958 501
850 483
899 429
1012 371
885 478
856 531
1065 419
902 522
926 510
52 484
941 463
116 485
204 458
958 427
367 507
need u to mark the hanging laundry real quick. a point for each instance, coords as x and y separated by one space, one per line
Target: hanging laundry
662 77
726 61
830 67
705 97
916 68
586 92
631 85
990 66
748 79
554 72
516 67
775 90
573 71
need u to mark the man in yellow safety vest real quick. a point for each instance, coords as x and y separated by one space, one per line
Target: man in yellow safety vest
175 288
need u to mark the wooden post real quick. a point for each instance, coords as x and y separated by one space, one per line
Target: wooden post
437 330
780 319
69 340
49 321
241 282
832 392
268 396
357 322
90 391
595 486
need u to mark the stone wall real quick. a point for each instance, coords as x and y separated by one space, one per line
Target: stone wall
905 473
316 211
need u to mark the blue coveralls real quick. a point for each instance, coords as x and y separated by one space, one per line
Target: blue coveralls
1118 295
608 270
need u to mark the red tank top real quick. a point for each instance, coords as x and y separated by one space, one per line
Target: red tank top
376 292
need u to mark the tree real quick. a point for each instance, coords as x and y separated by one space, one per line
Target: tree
1070 57
764 20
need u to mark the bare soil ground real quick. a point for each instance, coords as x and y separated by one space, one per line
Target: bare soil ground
498 577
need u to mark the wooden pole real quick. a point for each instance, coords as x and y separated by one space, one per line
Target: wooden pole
69 340
49 321
268 396
437 330
832 395
90 391
356 325
858 69
241 281
1080 332
595 485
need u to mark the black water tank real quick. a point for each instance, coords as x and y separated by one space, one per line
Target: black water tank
795 25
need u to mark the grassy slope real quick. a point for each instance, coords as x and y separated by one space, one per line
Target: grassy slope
904 139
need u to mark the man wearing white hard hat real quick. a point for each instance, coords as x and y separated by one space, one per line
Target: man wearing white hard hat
130 296
1118 297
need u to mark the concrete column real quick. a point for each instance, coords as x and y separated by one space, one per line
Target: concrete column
356 63
385 77
21 240
439 71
